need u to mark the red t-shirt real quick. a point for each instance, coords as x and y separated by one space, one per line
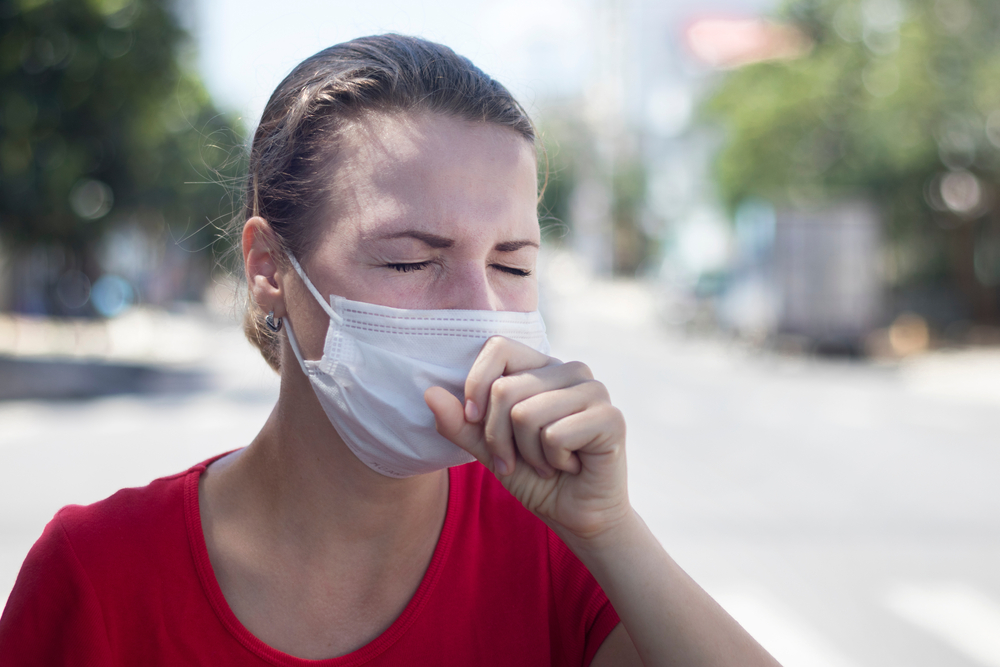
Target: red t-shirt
127 581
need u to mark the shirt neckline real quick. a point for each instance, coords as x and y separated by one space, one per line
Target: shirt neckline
212 590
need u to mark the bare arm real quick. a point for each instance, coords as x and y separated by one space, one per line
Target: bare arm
549 433
669 618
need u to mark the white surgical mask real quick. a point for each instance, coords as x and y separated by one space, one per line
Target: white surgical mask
378 362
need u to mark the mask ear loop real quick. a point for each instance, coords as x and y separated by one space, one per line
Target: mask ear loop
312 288
295 347
288 323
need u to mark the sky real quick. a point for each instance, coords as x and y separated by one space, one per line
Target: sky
537 48
247 46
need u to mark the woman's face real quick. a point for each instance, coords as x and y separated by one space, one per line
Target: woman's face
431 212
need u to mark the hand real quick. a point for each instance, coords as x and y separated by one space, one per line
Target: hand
549 433
551 436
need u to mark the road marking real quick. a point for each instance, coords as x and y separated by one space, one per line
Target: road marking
956 613
789 639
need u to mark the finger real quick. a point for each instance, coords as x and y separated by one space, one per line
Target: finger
595 435
530 416
449 419
500 356
506 393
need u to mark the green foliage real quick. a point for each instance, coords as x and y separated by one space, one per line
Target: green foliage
894 95
99 95
560 154
632 246
570 157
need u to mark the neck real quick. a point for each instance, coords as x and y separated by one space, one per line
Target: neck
303 483
315 553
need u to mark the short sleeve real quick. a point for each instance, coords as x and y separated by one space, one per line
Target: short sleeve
584 609
53 615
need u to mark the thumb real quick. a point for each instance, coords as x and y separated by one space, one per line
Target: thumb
449 418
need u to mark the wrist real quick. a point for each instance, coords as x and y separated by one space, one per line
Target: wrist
624 532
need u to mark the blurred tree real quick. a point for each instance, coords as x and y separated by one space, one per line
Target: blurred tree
569 155
898 102
103 120
632 245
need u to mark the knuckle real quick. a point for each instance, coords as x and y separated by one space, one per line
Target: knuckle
494 343
520 414
610 414
598 390
618 419
493 443
617 415
500 390
580 369
552 438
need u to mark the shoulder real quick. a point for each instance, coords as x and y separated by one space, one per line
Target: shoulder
131 534
93 569
130 520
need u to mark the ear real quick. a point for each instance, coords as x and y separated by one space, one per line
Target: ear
260 244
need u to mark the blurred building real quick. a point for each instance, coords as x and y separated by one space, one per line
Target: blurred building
644 184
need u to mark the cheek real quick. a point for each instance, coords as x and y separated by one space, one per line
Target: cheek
519 294
309 321
410 292
337 272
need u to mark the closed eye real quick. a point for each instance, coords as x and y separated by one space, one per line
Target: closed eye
524 273
406 268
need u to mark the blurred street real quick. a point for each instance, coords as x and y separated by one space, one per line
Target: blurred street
847 513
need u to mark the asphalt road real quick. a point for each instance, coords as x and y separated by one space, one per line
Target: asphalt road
847 513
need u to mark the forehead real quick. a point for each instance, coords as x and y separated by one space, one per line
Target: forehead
445 174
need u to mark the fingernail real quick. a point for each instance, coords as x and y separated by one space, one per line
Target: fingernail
499 466
471 411
543 473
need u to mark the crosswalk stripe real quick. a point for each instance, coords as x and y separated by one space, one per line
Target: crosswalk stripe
956 613
792 641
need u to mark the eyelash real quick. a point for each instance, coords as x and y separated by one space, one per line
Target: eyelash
520 273
406 268
419 266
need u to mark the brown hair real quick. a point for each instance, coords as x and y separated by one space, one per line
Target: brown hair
294 146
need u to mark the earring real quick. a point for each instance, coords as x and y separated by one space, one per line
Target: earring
272 324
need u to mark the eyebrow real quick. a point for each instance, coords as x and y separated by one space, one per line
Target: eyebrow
435 241
511 246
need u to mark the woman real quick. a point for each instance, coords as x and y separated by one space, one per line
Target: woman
389 241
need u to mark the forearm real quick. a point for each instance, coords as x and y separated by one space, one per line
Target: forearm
669 618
